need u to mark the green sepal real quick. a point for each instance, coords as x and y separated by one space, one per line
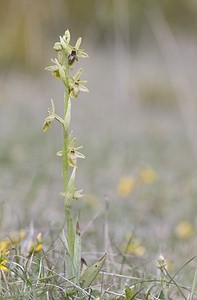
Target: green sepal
61 71
80 52
77 76
53 68
57 46
64 45
78 43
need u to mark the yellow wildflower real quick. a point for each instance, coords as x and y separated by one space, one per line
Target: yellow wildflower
3 260
4 245
3 266
148 176
16 239
36 247
184 230
133 245
136 249
126 186
13 240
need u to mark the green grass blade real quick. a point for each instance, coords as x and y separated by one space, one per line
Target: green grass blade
77 253
193 286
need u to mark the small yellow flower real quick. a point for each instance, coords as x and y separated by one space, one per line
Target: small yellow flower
126 186
184 230
3 260
148 176
133 245
36 247
4 245
3 266
17 238
13 240
136 249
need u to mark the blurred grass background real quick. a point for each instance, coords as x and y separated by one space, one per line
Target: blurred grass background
141 111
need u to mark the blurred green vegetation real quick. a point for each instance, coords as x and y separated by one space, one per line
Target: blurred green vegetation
140 111
28 27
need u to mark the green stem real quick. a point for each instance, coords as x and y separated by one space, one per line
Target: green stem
65 153
65 167
65 135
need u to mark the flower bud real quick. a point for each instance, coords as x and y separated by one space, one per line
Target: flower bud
57 46
66 36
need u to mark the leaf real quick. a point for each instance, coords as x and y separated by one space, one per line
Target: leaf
89 275
61 71
69 262
129 292
77 253
193 286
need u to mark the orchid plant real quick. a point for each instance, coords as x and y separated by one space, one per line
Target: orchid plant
62 66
